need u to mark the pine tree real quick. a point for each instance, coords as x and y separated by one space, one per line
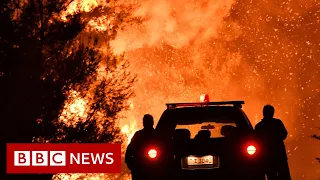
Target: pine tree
44 61
31 38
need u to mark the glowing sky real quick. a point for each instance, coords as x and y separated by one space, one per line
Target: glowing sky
262 51
259 51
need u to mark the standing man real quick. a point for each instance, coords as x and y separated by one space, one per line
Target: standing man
272 134
135 149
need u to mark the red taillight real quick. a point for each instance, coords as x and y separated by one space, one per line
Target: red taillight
251 150
152 153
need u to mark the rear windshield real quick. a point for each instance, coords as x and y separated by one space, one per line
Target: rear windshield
213 128
196 119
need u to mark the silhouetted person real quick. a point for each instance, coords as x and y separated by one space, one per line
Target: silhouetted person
228 131
135 150
272 134
202 136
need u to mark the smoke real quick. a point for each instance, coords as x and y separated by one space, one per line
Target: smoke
174 22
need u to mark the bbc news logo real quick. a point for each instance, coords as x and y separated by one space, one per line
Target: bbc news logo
39 158
58 158
63 158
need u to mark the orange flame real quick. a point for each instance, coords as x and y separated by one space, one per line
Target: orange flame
183 49
80 6
76 109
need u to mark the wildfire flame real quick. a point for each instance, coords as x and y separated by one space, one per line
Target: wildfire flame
75 108
186 48
129 130
80 6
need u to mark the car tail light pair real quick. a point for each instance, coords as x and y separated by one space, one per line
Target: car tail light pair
152 153
251 150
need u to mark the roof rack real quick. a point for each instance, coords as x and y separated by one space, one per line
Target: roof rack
201 104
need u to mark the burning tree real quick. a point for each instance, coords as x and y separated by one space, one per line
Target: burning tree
59 85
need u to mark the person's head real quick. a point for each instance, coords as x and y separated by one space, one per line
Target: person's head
268 111
147 121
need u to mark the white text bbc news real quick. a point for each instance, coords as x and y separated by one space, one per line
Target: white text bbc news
58 158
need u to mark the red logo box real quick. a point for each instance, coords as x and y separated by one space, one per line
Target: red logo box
63 158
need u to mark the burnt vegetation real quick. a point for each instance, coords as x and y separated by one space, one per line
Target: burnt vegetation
42 59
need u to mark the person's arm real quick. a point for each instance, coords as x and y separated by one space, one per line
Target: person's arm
257 128
130 152
282 131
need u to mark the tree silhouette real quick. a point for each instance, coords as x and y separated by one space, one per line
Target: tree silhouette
44 60
317 137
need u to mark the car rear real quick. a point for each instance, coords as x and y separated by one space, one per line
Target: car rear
211 140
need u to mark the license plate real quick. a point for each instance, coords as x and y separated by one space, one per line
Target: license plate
204 160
